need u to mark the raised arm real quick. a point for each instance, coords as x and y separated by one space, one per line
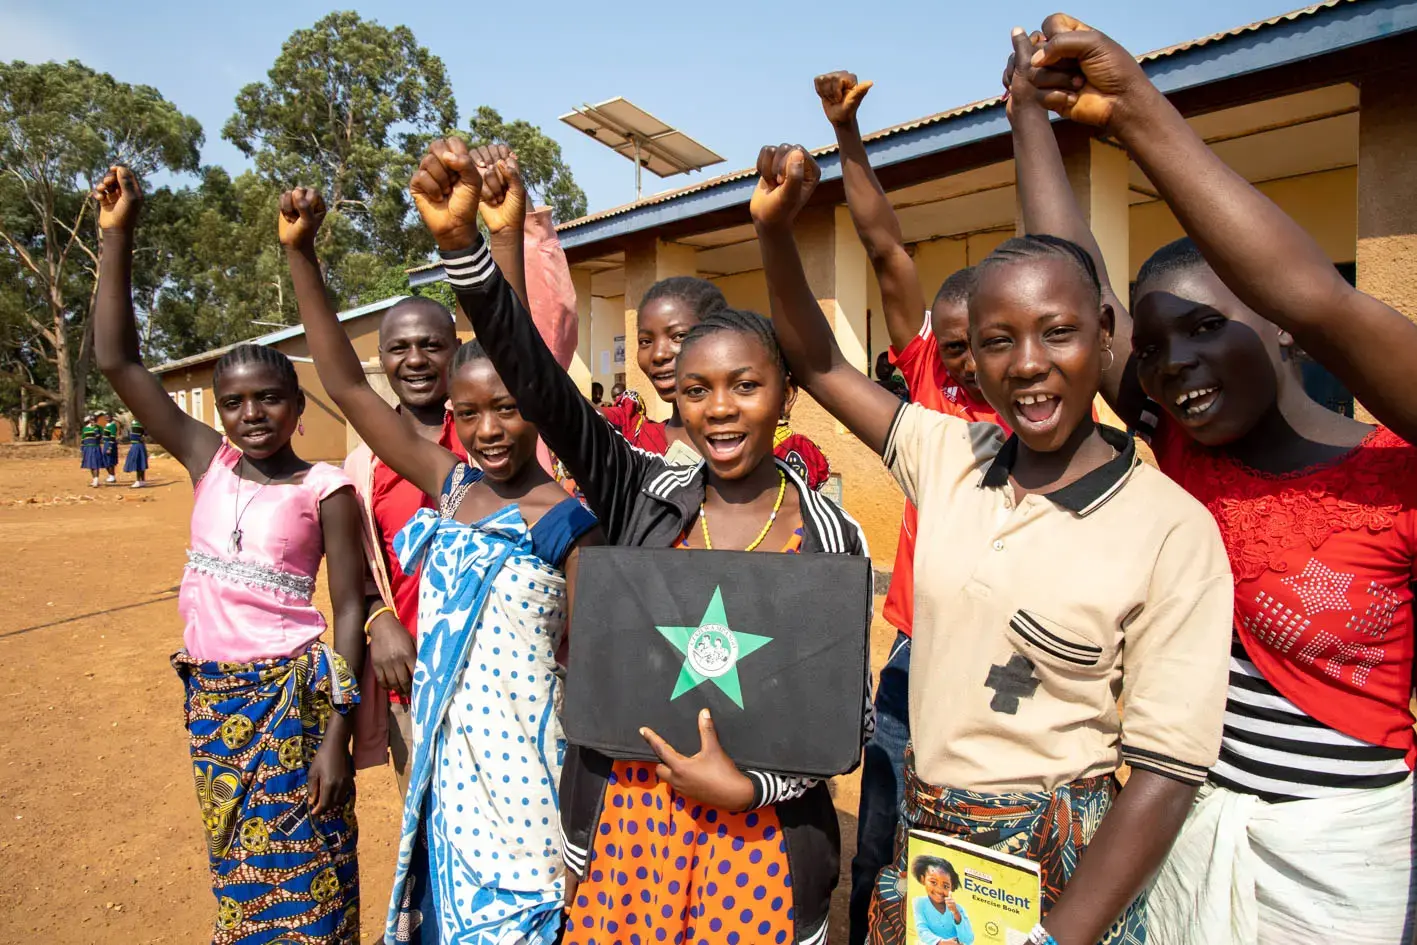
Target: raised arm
871 211
787 177
116 348
606 468
422 462
1264 257
502 207
1049 206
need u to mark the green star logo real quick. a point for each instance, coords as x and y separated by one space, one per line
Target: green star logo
712 651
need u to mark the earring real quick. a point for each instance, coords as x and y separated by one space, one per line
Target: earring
300 426
1111 359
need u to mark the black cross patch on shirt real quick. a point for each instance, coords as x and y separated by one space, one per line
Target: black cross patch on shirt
1011 682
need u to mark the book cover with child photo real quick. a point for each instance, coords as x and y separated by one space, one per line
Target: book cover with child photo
962 892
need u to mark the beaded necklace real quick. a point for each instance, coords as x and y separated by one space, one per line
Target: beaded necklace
781 491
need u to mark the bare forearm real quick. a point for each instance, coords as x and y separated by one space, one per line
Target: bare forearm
1262 255
1127 849
871 211
802 330
115 341
1045 195
508 249
335 360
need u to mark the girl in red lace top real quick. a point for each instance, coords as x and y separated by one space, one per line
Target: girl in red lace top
1308 813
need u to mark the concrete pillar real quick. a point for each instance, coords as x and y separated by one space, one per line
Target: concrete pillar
1387 198
1098 174
580 362
647 261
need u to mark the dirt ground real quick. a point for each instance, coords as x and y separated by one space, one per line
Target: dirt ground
99 829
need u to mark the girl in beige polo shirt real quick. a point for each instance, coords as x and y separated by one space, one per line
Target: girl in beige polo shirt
1041 559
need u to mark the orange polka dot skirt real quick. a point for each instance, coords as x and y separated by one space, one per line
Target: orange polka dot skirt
667 869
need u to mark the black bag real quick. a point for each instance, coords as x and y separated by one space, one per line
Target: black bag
775 645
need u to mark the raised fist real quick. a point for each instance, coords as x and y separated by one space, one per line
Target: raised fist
446 189
302 210
841 95
1072 49
503 202
119 198
787 175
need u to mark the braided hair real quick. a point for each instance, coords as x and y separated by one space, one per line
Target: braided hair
262 355
744 323
1176 256
1043 246
468 352
699 295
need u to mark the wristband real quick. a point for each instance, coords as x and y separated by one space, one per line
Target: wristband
376 615
1040 936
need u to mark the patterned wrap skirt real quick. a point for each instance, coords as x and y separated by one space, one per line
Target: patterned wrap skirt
278 874
1051 828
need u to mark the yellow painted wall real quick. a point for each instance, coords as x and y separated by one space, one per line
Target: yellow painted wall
746 290
1325 204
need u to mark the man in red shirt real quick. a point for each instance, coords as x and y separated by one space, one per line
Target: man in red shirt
931 350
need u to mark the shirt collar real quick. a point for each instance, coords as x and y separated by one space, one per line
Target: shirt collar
1090 492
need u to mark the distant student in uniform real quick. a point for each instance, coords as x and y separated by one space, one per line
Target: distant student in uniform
137 459
91 448
1041 557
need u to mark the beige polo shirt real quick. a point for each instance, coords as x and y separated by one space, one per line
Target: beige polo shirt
1032 617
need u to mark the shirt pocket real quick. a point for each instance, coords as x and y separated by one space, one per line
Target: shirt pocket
1052 644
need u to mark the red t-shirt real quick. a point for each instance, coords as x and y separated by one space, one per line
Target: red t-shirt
395 501
932 387
1324 560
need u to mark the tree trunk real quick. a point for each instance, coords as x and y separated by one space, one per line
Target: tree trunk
71 396
22 430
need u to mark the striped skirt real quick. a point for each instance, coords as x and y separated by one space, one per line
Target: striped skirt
1051 828
278 874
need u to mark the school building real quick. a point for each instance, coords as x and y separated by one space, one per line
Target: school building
1306 105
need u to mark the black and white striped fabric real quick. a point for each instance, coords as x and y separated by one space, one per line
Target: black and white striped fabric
1271 748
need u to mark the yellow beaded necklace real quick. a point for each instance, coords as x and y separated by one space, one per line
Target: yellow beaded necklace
781 491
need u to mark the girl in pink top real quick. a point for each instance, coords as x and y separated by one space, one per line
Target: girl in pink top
267 702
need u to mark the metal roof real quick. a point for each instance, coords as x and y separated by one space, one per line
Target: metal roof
275 337
1265 44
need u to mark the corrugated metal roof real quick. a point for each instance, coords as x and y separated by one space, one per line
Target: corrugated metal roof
953 113
275 337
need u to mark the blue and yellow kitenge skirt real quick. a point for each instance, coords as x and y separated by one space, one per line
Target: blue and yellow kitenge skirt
278 874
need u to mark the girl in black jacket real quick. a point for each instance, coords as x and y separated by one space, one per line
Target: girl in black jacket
692 848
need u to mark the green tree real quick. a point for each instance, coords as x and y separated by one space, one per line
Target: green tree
548 179
347 108
61 126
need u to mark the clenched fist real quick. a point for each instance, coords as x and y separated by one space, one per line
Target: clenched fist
302 210
841 95
119 199
446 189
1110 75
503 202
787 175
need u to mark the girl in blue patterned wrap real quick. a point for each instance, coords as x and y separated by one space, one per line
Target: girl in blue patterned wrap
480 856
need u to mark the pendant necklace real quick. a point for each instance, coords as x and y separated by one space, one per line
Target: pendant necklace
233 544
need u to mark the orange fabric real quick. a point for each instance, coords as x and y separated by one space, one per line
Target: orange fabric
668 869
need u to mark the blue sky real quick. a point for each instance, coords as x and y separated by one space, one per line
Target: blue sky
735 75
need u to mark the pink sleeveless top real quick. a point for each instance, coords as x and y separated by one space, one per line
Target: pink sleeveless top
256 602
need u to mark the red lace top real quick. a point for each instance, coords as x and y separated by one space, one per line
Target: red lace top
1323 561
